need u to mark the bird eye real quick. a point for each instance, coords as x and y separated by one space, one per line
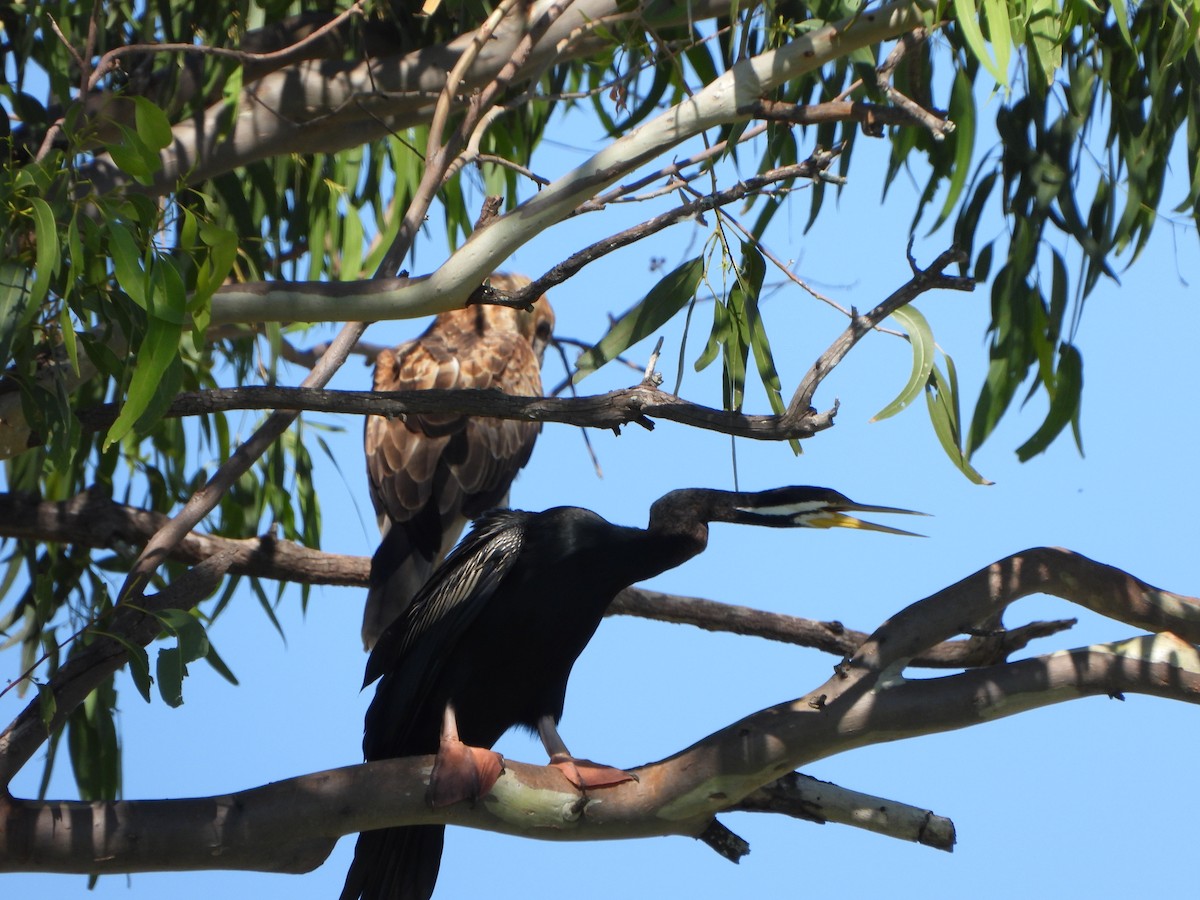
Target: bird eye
543 329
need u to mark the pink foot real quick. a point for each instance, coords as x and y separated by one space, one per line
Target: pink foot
585 774
462 773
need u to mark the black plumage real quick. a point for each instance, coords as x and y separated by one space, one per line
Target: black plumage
496 630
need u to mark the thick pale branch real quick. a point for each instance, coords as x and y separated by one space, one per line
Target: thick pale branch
979 598
327 105
291 825
716 104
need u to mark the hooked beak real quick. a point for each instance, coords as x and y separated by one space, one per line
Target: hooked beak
837 518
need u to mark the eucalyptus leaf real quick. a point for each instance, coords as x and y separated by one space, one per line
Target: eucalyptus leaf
1064 403
920 337
654 310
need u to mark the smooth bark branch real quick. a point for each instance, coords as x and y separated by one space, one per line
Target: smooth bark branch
327 105
716 104
291 825
804 797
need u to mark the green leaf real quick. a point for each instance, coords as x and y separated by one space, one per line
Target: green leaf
664 300
70 344
966 17
352 246
920 336
1044 37
1064 402
218 664
17 308
716 337
749 282
127 262
158 349
134 157
962 113
153 126
995 13
1121 14
47 705
168 298
171 671
941 399
139 662
48 255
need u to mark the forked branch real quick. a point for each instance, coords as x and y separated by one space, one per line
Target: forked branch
292 825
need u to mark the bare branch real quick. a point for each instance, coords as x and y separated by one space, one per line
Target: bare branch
860 325
756 184
831 637
634 405
872 117
92 519
804 797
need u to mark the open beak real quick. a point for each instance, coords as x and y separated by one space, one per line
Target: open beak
837 518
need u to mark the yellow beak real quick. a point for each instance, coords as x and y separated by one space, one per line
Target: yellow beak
836 518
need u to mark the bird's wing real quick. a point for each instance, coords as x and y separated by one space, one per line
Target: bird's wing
402 454
411 653
430 473
485 457
469 461
451 599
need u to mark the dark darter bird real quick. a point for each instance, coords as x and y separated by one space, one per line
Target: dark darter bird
490 640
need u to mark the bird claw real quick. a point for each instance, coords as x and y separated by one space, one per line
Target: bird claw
461 772
585 774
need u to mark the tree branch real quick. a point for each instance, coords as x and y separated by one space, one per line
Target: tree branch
860 325
717 104
91 662
325 105
804 797
291 825
91 519
634 405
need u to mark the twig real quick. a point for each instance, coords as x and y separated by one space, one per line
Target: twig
576 261
860 325
870 116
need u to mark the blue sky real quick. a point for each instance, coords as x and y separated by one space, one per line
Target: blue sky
1093 796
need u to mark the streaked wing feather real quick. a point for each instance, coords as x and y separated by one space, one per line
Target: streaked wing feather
454 594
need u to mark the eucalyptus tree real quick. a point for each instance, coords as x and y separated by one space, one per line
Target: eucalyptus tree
186 188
